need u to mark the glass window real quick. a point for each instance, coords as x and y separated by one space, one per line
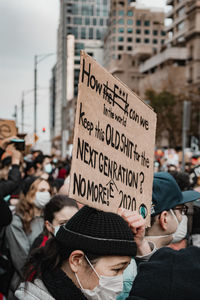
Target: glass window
155 41
146 31
101 22
120 12
114 21
162 42
78 47
163 33
75 32
87 10
129 13
77 62
129 22
181 26
138 31
120 48
129 30
74 9
155 32
146 41
113 38
129 48
98 34
87 21
83 33
121 21
138 22
114 30
104 2
91 33
77 21
120 29
146 23
94 21
138 40
129 39
120 39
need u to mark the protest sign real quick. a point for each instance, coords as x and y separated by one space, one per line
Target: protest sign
7 128
113 148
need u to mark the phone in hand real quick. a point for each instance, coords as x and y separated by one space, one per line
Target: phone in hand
19 144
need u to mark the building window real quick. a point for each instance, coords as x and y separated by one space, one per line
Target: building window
120 29
119 56
181 26
146 23
138 22
114 30
138 31
75 32
181 12
155 41
121 13
155 32
129 22
120 38
163 33
77 21
129 48
129 13
138 40
78 47
162 42
83 33
77 62
129 39
121 21
146 31
101 22
94 22
129 30
146 41
98 34
91 33
87 21
120 48
113 38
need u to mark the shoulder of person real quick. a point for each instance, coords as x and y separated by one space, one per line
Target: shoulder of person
32 291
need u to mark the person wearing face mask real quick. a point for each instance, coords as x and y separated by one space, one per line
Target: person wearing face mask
58 211
86 258
168 217
26 225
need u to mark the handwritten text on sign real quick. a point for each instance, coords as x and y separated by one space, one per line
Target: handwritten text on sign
114 138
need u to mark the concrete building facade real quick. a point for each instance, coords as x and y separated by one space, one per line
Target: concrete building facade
82 25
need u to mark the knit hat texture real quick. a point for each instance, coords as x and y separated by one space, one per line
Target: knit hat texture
169 274
97 232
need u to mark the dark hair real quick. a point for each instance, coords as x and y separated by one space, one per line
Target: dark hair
39 159
182 179
48 258
56 203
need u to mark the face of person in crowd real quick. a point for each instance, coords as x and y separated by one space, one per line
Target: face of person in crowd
60 218
47 167
109 266
43 186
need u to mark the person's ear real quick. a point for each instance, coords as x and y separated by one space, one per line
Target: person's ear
49 226
163 220
76 260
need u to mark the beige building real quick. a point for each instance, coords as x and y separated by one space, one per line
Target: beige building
131 26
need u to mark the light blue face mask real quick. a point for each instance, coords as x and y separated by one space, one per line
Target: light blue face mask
56 228
6 198
48 168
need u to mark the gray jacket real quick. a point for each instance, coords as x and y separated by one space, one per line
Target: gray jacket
19 244
33 291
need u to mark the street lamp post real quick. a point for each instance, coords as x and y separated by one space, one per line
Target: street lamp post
37 60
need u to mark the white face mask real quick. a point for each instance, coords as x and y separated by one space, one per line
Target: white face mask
41 199
181 231
108 287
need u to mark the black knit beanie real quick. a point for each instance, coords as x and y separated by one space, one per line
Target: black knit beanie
169 274
97 232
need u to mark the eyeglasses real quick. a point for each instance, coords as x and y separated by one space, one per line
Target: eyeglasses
183 209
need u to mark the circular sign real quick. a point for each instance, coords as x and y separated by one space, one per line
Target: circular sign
143 210
5 130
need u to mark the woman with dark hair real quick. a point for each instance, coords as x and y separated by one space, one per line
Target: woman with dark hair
86 258
26 225
57 212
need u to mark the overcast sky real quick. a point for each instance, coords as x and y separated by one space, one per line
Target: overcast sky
28 28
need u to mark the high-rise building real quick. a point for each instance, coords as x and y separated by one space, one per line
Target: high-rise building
132 26
82 26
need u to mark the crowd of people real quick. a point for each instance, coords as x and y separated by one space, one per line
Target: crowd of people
52 247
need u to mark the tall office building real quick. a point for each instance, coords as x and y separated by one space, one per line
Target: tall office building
133 26
82 25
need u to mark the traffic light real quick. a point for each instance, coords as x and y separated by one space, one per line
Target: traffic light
43 129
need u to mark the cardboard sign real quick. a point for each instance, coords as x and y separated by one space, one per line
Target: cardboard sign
113 148
7 129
